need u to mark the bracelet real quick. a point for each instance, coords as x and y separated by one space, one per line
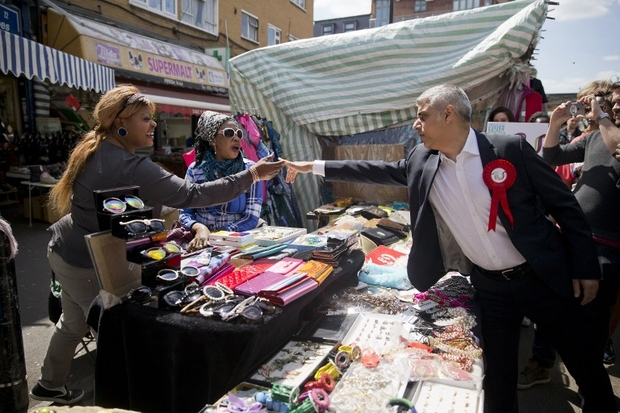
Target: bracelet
255 175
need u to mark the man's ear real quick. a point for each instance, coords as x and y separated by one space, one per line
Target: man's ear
448 113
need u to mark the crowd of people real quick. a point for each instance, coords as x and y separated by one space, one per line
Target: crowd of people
549 251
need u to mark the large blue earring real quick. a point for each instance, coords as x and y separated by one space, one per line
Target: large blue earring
122 132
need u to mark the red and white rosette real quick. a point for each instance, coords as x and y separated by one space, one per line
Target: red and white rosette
499 175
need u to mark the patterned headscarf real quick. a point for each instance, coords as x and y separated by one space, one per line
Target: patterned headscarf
204 143
207 127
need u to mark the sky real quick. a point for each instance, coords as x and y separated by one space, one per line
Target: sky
581 44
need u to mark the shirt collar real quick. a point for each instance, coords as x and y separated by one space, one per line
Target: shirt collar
470 147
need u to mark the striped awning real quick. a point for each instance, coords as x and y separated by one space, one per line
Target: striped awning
21 56
369 79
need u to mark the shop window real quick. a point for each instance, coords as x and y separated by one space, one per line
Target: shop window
350 27
464 4
327 29
200 13
300 3
382 12
249 27
419 5
274 35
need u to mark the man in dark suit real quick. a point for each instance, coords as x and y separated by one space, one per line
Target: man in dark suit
478 205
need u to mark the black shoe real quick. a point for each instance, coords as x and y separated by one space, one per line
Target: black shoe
61 397
609 356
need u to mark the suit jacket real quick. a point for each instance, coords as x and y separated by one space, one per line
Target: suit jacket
556 256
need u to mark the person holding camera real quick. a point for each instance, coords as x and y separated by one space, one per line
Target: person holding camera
598 196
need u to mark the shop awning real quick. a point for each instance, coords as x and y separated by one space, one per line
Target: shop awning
21 56
135 55
185 107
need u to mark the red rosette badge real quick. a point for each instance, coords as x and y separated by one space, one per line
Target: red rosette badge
499 175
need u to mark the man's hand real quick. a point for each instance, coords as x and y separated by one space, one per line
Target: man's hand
589 287
617 152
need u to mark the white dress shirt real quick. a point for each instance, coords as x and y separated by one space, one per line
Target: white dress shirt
462 199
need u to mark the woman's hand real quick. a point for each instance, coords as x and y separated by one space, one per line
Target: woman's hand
296 167
267 169
201 237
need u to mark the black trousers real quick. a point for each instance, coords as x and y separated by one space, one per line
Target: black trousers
503 305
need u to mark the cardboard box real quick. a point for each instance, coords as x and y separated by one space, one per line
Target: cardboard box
36 207
49 215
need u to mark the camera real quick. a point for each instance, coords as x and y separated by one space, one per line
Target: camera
575 109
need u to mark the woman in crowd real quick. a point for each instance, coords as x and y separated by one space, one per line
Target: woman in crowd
105 158
501 114
218 154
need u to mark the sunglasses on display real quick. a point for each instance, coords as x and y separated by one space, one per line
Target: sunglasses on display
140 295
170 275
117 205
230 132
142 226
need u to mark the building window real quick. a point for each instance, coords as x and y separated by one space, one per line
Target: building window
300 3
383 12
419 5
464 4
166 6
274 35
350 27
200 13
327 29
249 27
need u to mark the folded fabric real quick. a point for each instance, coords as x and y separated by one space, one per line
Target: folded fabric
217 260
386 276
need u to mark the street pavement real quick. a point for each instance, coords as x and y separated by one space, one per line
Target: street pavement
33 279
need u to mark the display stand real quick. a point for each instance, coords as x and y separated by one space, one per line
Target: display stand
160 361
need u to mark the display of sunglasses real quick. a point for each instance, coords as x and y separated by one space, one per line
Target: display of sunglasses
155 253
140 295
169 275
230 132
117 205
142 226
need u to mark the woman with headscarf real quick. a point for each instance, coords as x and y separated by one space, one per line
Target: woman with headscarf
218 154
106 158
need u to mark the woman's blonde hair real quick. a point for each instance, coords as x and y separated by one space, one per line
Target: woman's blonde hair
120 102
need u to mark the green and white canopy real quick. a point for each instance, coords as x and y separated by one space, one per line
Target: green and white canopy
369 79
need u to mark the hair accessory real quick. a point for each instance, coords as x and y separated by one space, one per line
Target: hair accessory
122 132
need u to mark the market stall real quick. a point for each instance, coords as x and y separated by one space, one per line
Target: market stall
352 83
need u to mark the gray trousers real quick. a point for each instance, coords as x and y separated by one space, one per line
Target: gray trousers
79 288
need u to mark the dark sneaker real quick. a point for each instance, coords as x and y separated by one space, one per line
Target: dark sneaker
531 376
65 396
609 356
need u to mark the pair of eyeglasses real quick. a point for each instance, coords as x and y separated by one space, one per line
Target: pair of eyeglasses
140 295
230 132
142 226
169 275
117 205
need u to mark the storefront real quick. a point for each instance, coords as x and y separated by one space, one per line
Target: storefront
182 81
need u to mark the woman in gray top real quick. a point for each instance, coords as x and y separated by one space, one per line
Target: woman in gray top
104 159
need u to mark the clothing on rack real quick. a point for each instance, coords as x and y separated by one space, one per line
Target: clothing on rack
280 206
